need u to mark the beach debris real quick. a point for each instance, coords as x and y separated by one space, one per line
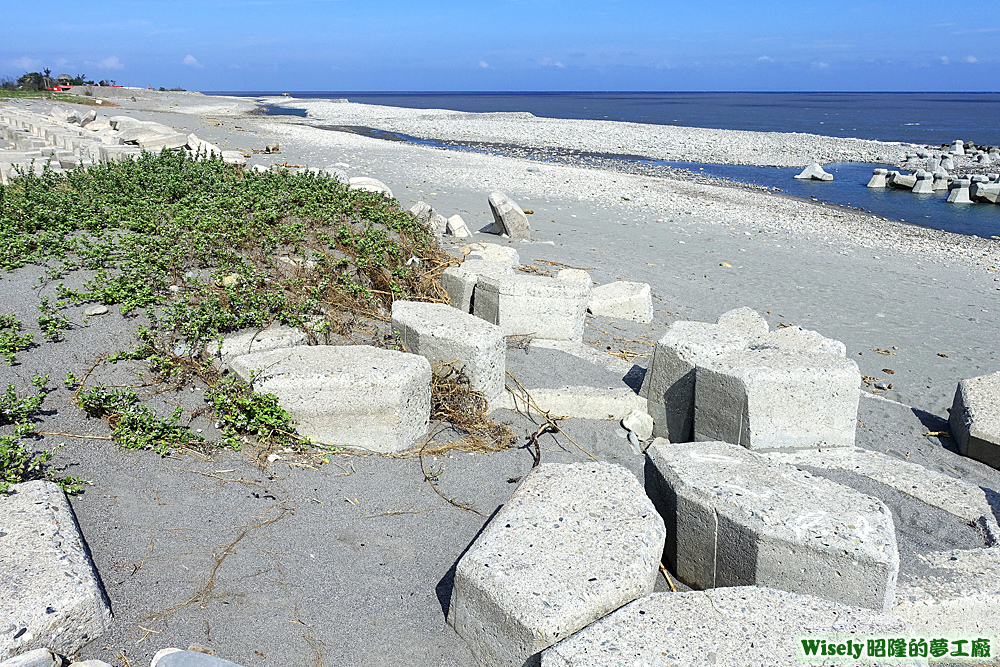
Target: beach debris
94 311
840 543
975 418
551 538
39 657
508 218
640 423
622 300
814 172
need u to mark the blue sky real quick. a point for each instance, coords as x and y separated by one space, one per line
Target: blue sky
354 45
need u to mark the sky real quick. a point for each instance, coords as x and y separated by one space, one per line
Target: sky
511 45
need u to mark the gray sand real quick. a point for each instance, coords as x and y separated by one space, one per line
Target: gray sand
356 566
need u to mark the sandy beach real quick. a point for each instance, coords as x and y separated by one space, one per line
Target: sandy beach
355 569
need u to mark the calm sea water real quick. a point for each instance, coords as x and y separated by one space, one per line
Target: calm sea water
926 118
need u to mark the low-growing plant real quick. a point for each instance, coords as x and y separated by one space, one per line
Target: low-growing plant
10 341
240 411
135 425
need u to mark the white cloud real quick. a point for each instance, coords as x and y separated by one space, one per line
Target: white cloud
971 59
821 65
27 64
944 60
484 64
191 61
548 62
766 59
112 63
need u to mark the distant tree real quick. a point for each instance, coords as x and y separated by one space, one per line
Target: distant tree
31 81
80 80
7 83
47 80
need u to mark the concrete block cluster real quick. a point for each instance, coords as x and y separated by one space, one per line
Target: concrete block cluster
50 595
572 544
738 382
931 174
353 396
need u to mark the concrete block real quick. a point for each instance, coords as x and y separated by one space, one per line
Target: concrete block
248 341
955 496
797 339
572 544
460 281
40 657
735 518
533 305
508 218
355 395
198 146
924 184
444 334
234 157
958 191
745 321
902 181
50 593
770 399
975 418
422 211
491 252
438 224
456 227
639 423
579 402
161 141
814 172
575 275
191 659
119 153
961 597
623 300
985 192
369 185
724 627
670 378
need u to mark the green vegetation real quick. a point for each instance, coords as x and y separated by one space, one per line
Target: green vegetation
200 248
17 462
10 340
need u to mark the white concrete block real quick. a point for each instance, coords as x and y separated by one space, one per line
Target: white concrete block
975 418
508 218
736 518
572 544
456 227
50 593
161 141
354 395
814 172
769 399
575 275
722 627
670 378
535 305
234 157
597 403
444 334
623 300
369 185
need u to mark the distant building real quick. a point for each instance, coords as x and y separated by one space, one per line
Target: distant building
64 78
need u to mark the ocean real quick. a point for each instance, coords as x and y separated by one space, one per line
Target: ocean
923 118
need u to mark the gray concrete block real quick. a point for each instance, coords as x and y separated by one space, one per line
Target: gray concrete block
878 179
814 172
770 399
736 518
975 418
572 544
579 402
670 378
354 395
191 659
444 334
422 211
724 627
199 146
50 593
161 141
234 157
508 218
622 300
575 275
745 321
797 339
255 340
961 597
460 281
456 227
533 305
